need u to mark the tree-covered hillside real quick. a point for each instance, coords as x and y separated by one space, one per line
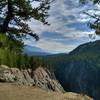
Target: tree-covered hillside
79 71
11 54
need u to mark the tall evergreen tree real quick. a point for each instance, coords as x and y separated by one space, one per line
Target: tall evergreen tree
14 15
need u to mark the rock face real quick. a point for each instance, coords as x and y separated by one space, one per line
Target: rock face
40 78
44 80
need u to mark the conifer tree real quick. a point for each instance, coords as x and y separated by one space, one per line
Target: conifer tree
14 15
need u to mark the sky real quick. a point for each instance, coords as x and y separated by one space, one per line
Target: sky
68 27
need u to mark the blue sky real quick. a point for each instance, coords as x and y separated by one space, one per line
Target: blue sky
68 27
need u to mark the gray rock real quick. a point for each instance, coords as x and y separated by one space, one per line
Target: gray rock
44 80
5 74
40 77
27 77
15 75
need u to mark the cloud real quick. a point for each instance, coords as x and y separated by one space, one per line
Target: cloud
35 4
62 12
53 46
68 26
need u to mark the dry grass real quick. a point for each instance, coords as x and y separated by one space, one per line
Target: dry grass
15 92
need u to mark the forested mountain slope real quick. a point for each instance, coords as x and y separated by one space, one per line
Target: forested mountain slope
79 71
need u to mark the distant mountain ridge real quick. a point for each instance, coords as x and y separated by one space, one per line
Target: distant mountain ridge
32 50
90 47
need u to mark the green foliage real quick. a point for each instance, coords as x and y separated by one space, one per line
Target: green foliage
10 44
11 54
13 20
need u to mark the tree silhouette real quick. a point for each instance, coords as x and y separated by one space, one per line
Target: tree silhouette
96 24
14 15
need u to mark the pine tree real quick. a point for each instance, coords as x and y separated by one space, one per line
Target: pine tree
14 15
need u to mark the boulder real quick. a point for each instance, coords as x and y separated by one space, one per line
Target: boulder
13 75
5 74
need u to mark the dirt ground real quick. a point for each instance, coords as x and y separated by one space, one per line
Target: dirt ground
15 92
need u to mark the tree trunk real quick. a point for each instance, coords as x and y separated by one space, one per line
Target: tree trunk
8 17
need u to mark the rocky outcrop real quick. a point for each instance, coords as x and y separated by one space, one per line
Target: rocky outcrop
44 80
40 78
14 75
